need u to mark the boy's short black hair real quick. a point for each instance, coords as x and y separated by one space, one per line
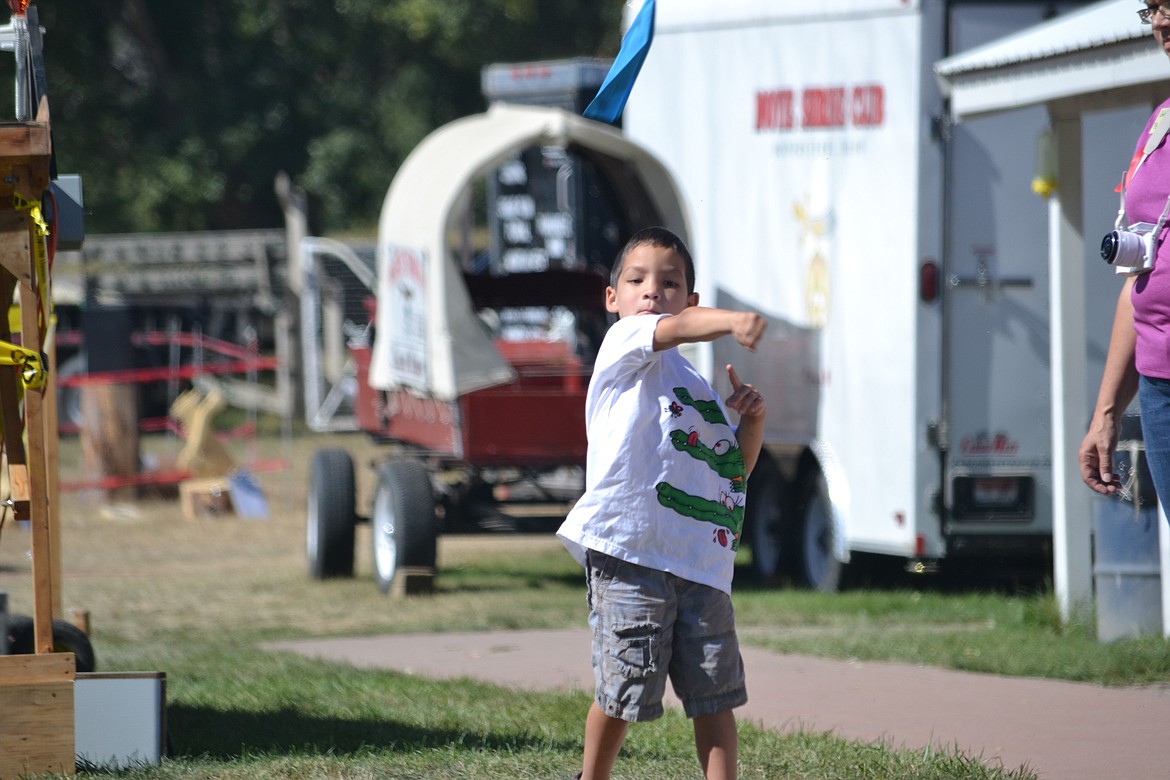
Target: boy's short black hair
658 237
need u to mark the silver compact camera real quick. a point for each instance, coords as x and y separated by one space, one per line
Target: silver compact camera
1131 250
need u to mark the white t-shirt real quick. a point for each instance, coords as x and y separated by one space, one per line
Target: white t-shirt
664 476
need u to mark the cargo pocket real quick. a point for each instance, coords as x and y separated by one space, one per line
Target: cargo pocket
636 647
599 571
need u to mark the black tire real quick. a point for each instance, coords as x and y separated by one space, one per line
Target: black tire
817 566
764 528
67 638
330 517
402 520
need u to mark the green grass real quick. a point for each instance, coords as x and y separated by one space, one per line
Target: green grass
236 711
196 600
990 632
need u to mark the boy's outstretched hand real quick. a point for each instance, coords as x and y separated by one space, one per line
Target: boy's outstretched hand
747 329
744 399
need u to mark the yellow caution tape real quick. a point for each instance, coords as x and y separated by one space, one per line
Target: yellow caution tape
15 324
32 369
40 254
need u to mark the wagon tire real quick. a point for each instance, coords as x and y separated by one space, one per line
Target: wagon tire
402 521
330 518
67 638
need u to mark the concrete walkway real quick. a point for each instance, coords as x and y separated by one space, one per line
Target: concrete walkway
1062 730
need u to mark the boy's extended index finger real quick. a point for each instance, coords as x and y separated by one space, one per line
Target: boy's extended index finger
734 377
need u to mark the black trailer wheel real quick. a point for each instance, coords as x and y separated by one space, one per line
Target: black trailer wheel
402 521
330 519
818 566
67 638
764 525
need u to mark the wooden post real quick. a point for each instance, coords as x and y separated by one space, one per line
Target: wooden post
109 434
36 692
51 453
24 174
109 410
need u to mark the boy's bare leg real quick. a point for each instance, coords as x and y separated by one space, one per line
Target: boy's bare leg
717 741
603 739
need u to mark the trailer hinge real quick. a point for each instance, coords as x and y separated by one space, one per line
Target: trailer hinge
936 435
940 128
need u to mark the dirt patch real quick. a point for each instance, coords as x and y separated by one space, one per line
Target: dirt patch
142 569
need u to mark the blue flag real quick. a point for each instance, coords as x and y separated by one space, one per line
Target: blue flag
615 90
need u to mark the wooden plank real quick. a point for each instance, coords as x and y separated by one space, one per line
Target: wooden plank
36 714
31 180
24 140
10 411
52 454
36 729
18 481
53 667
28 177
205 497
15 249
34 426
10 396
413 581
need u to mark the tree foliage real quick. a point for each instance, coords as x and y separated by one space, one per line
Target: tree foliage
178 115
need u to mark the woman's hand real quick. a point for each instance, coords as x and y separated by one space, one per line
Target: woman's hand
1096 455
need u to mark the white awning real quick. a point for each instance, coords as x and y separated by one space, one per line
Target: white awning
429 196
1101 48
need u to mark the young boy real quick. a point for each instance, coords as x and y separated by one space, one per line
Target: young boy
659 523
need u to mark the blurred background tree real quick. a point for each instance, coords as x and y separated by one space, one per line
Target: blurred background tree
178 115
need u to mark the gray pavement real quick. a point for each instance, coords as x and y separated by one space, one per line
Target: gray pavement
1062 730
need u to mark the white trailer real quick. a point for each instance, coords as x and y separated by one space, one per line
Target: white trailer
901 262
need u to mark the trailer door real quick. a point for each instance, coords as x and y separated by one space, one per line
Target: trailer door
997 452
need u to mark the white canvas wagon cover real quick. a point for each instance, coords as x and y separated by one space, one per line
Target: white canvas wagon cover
428 336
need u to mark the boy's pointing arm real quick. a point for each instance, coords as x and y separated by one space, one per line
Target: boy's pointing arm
747 401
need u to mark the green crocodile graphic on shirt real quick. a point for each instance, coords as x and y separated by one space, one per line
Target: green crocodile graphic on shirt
727 517
711 411
724 458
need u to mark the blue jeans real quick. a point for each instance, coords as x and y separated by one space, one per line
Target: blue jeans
1154 396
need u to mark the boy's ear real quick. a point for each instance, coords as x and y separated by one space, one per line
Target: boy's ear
611 300
692 300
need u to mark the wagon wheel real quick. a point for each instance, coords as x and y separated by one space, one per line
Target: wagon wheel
330 519
403 520
67 638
